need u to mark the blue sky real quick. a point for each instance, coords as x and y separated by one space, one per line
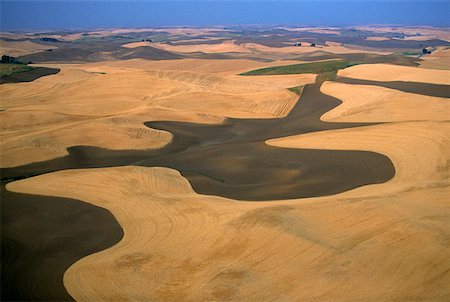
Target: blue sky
66 14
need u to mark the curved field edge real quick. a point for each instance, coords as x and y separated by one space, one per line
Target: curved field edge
272 217
263 176
210 239
42 236
28 75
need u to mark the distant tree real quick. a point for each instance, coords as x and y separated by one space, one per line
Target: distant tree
424 51
7 59
10 60
313 44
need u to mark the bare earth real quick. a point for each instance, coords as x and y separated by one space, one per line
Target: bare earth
80 104
380 242
231 46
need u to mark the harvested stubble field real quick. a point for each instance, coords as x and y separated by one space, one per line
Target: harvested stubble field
152 172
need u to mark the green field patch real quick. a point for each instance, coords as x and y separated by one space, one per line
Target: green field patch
297 89
9 69
411 53
314 67
327 76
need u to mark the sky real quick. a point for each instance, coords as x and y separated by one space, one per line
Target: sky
67 14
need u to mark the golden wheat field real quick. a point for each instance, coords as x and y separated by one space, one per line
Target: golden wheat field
219 169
